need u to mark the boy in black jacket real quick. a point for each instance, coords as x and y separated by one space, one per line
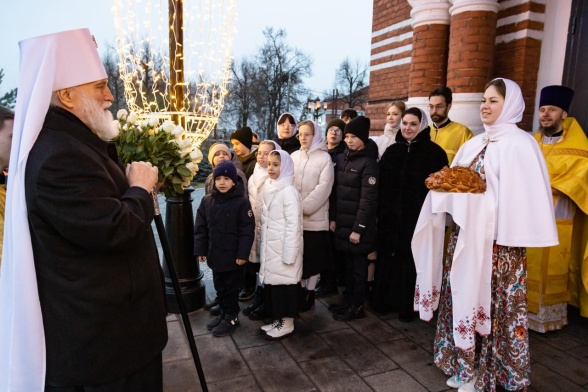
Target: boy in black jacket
223 236
353 214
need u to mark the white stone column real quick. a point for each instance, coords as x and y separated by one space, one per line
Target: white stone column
429 12
459 6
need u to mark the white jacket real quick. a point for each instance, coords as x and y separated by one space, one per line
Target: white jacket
313 177
255 184
280 240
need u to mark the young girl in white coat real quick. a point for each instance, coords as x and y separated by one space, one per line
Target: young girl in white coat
313 177
280 245
256 309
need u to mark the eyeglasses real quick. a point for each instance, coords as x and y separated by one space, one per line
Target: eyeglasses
303 136
263 154
437 107
334 130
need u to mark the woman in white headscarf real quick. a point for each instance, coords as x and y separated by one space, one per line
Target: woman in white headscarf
404 168
256 309
286 133
280 245
313 177
520 214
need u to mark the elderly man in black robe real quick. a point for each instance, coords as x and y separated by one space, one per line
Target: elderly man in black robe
94 263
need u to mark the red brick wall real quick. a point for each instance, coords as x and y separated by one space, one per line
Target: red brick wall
388 84
471 51
429 59
472 56
519 59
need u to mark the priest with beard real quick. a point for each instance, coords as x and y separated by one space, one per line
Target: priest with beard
559 275
81 295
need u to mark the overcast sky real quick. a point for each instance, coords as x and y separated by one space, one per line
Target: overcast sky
327 30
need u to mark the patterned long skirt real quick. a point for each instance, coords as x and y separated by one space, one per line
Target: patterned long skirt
503 356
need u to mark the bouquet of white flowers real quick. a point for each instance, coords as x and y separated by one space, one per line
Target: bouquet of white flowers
165 145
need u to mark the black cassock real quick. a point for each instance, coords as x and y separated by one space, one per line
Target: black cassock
98 274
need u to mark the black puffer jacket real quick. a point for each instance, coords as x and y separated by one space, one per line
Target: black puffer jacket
224 229
356 195
404 167
290 144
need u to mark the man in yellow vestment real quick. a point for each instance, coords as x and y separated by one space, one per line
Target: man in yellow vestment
449 135
559 274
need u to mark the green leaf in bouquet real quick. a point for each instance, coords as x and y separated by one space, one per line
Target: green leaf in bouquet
167 170
179 189
129 149
184 171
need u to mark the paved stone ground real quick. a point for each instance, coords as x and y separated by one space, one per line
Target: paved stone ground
372 354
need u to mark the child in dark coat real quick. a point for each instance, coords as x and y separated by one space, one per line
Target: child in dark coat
353 214
223 236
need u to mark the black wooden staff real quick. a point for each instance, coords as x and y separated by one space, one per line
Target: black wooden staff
174 277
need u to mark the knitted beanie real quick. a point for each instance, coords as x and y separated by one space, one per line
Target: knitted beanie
227 169
360 127
244 136
214 148
336 122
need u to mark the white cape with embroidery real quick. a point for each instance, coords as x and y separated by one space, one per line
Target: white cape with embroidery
516 209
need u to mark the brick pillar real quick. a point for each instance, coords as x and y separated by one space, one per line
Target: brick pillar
471 57
429 49
429 59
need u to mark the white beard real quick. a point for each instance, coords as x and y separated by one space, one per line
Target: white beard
100 121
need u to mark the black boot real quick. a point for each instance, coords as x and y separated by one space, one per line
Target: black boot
326 285
257 301
215 310
226 326
216 321
209 305
338 308
259 313
307 300
246 294
352 313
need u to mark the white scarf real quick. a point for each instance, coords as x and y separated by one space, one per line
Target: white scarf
387 139
295 125
286 165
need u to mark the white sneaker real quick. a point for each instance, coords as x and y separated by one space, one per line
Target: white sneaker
453 383
283 329
469 386
270 326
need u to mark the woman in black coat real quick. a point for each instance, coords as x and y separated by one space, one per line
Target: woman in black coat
404 166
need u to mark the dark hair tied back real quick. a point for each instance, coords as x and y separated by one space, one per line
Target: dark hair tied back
415 112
